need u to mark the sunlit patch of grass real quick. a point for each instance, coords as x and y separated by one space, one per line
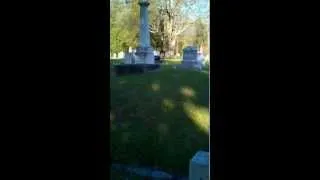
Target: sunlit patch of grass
187 91
168 104
200 115
153 125
155 87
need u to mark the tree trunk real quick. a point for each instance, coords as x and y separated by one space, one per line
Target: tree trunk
172 46
176 52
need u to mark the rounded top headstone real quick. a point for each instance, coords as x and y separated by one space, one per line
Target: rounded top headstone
190 48
201 158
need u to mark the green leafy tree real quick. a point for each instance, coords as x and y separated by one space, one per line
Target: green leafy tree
170 23
123 25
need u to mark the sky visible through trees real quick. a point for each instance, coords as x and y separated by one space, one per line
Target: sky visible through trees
174 24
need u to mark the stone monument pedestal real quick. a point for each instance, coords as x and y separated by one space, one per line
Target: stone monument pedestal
142 60
144 55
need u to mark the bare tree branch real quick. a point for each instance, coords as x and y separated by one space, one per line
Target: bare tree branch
182 29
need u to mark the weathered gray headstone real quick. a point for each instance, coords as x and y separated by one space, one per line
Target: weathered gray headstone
127 58
199 166
191 59
190 54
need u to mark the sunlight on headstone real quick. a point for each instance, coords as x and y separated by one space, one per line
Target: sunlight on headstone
168 104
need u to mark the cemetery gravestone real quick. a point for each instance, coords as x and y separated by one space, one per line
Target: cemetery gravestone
189 55
190 58
127 58
199 166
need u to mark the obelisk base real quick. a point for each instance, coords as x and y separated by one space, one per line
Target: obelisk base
144 55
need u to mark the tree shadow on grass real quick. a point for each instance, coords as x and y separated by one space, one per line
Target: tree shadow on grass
159 119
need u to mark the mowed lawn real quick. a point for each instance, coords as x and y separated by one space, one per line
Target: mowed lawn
159 119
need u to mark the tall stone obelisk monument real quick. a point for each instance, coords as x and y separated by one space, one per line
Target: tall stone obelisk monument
144 51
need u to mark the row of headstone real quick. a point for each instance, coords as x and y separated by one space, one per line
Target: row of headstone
192 58
122 54
131 58
117 56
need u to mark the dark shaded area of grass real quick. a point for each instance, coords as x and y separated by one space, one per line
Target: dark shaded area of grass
159 119
116 175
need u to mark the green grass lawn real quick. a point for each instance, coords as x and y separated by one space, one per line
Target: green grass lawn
159 119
